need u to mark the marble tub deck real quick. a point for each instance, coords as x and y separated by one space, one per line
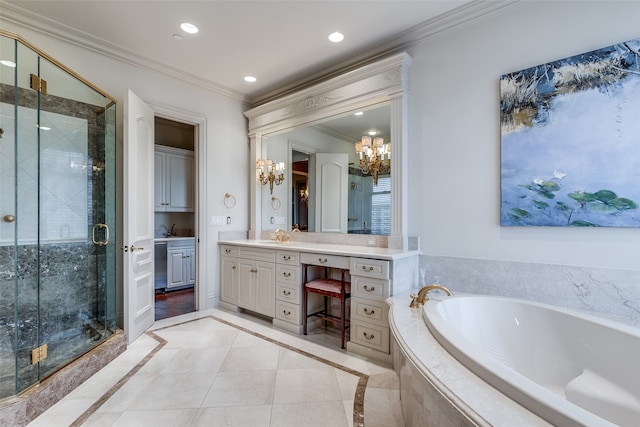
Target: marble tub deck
219 368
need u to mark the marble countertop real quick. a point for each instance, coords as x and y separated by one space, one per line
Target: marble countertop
326 248
168 239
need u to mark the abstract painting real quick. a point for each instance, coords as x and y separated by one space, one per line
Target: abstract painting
570 141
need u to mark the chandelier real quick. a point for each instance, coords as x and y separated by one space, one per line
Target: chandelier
375 156
267 175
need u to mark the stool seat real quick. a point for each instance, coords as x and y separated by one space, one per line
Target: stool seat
329 287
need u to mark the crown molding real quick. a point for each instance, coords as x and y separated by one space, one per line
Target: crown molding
464 14
65 33
403 41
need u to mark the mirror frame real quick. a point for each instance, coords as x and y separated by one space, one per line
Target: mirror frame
383 81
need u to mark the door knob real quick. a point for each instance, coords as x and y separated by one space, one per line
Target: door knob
9 218
133 248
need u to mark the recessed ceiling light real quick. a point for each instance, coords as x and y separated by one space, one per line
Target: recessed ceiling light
250 79
372 132
359 113
336 37
8 63
189 28
177 37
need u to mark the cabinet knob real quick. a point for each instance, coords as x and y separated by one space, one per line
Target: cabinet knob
365 268
286 313
369 289
322 261
369 313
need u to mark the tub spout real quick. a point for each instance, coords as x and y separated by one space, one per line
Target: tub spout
418 300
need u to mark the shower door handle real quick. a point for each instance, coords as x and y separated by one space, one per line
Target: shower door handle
104 242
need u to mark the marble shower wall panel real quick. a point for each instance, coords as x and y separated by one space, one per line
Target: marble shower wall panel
607 292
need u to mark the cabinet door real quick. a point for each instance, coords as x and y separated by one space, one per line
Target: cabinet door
190 268
180 183
175 268
159 188
228 280
265 288
246 284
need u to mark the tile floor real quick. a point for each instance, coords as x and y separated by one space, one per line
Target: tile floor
215 368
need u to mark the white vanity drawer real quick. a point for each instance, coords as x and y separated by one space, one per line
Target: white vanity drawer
288 293
376 268
373 289
227 250
370 335
323 260
370 311
256 254
288 312
288 257
288 274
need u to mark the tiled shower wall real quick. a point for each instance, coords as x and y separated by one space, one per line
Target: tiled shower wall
610 293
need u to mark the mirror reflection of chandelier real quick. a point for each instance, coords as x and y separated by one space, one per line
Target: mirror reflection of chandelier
304 194
375 156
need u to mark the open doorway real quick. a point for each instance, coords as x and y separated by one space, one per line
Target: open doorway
174 218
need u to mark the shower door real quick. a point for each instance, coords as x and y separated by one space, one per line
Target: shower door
57 212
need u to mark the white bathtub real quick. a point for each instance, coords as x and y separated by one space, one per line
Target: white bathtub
568 368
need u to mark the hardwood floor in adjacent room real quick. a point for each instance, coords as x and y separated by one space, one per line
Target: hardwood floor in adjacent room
174 303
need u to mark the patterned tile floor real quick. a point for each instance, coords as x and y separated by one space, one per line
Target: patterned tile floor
215 368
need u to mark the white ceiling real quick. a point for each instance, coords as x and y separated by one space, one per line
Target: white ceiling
281 43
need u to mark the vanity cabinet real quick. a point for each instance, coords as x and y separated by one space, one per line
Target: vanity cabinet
248 278
173 180
228 275
181 263
370 286
268 280
288 291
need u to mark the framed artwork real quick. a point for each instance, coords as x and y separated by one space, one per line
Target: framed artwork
570 141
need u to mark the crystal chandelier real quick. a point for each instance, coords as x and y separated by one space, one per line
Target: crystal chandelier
375 156
267 175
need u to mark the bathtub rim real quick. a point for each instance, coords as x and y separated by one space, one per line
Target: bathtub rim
509 382
472 397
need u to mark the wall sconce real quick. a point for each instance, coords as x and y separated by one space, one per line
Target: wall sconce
268 170
304 194
372 156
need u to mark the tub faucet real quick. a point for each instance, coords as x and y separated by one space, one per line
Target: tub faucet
418 300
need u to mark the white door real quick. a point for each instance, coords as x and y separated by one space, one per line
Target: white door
138 242
331 190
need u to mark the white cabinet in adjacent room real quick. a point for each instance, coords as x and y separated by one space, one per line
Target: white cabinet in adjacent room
181 263
173 180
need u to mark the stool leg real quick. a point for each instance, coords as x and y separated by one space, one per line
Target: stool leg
326 313
342 319
304 311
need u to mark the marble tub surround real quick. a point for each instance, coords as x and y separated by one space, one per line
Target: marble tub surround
605 292
219 368
436 389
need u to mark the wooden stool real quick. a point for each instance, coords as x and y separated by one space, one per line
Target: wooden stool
327 287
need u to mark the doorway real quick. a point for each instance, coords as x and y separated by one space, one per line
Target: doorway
175 257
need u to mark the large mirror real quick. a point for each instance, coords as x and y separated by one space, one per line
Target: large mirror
312 133
313 197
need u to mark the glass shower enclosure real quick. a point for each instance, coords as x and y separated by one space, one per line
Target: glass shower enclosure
57 215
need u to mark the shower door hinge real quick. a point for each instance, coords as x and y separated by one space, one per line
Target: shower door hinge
38 354
38 84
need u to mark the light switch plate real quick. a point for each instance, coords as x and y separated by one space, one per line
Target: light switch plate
218 220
